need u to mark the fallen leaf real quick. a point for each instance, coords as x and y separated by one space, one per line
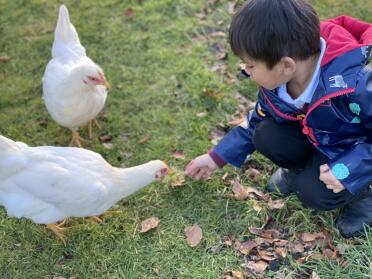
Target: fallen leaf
238 274
108 145
245 247
240 192
194 235
199 39
280 242
227 240
281 251
306 237
266 255
257 267
149 224
256 207
179 155
276 204
5 59
259 194
252 173
145 139
295 247
105 138
225 175
202 114
176 178
210 93
329 254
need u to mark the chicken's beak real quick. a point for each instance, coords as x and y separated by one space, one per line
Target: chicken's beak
105 83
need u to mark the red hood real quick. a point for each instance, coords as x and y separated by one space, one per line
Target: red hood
343 34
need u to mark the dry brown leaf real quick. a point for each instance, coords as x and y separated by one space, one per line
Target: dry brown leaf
149 224
257 267
240 192
256 207
330 254
175 179
266 255
199 39
145 139
245 247
259 194
194 235
306 237
281 251
5 59
295 247
252 173
276 204
280 242
105 138
179 155
202 114
210 93
227 240
238 274
225 175
108 145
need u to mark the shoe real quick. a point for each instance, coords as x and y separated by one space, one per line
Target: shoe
280 181
356 214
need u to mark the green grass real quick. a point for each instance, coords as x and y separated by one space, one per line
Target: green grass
158 75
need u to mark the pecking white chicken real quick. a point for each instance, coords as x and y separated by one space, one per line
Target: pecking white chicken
48 184
74 87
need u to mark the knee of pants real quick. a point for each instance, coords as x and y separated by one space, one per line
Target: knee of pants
313 195
262 139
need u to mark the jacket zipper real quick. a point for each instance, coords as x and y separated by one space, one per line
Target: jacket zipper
306 130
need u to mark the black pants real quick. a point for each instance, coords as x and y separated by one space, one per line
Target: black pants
286 146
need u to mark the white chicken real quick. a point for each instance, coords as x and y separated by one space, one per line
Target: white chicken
74 87
48 184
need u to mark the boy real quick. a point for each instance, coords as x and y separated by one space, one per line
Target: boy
313 117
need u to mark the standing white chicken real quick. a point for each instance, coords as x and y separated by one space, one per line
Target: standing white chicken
74 87
48 184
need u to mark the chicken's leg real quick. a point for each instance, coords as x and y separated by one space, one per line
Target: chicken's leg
76 139
58 230
90 130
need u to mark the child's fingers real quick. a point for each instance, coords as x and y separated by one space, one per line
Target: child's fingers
191 169
200 174
324 168
207 174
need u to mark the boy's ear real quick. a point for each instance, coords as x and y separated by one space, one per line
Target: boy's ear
289 65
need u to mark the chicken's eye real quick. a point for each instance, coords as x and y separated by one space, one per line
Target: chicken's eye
92 78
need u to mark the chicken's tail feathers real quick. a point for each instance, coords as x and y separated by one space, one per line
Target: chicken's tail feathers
66 38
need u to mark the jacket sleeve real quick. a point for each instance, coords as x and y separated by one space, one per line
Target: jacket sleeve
237 144
353 168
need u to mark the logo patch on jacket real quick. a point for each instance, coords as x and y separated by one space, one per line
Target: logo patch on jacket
338 81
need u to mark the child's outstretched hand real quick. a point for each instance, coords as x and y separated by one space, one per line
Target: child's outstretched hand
331 182
201 168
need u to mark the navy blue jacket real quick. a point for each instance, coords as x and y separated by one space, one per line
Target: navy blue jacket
338 121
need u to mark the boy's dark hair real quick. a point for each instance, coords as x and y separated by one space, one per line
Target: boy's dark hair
267 30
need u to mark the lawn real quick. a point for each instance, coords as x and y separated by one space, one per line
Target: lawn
167 61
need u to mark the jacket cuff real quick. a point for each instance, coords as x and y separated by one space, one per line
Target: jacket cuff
217 159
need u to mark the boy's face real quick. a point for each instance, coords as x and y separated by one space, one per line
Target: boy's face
265 77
